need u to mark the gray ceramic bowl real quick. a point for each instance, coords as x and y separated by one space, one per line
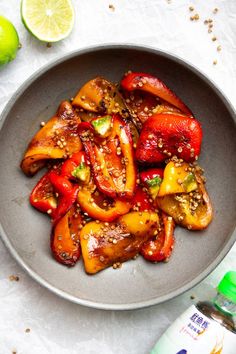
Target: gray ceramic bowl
25 232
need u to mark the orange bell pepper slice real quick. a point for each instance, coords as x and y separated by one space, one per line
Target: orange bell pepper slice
56 140
93 205
65 241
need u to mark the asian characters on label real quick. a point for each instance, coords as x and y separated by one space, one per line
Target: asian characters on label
196 327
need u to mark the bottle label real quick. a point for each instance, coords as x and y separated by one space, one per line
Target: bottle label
194 333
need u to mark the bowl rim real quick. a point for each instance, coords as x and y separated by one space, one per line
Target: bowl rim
6 241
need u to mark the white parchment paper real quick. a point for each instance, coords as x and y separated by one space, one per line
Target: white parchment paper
57 326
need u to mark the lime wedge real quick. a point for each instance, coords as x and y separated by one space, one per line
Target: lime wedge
48 20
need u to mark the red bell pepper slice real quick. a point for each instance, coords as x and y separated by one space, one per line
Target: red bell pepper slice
101 176
70 164
150 174
67 194
141 200
164 135
153 85
160 248
42 196
143 105
76 168
111 158
65 242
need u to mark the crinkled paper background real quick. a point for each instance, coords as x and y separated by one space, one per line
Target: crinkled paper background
57 326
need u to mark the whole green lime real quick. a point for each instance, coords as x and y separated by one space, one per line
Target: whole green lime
9 41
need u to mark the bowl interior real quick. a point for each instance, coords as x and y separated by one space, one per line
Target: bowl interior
137 283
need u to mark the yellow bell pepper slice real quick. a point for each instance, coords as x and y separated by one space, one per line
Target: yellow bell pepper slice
107 244
177 179
191 210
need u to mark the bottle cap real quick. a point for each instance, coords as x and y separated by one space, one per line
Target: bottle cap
227 286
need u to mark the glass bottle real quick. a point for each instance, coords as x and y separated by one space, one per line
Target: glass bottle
205 328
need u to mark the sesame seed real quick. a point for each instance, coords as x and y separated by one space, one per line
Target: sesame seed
214 39
218 48
215 62
191 8
42 124
14 278
111 7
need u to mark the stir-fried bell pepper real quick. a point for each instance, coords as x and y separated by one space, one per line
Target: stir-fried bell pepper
43 197
178 178
152 180
65 242
107 244
57 139
99 207
100 95
76 168
165 135
153 85
141 200
86 116
67 194
111 158
160 248
134 133
143 105
192 210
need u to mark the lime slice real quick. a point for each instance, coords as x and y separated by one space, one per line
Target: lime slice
48 20
9 41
